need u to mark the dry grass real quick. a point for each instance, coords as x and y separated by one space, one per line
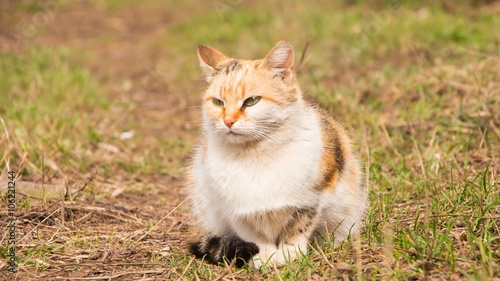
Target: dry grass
100 108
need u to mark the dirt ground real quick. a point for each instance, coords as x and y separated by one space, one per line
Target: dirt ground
143 223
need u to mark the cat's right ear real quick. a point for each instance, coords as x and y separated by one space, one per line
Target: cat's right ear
210 60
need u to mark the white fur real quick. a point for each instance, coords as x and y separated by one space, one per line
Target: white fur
235 179
279 173
270 254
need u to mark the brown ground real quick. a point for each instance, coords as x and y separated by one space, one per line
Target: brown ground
141 222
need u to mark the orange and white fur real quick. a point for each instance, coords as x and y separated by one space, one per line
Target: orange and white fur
273 169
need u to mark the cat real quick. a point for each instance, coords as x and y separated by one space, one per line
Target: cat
272 169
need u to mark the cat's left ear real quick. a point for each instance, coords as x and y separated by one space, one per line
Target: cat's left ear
210 60
280 61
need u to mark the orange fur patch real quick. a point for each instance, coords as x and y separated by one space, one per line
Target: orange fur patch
271 100
335 153
243 88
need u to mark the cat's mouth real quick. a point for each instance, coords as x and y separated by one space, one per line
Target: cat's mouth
233 133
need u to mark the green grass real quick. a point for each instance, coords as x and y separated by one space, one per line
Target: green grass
47 110
416 85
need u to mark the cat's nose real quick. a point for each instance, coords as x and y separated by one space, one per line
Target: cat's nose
229 122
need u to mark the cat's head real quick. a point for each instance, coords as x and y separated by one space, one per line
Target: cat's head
249 100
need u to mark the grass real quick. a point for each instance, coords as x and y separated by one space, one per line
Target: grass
416 84
40 117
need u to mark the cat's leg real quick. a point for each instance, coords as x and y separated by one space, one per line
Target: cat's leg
281 235
208 216
270 254
220 242
293 237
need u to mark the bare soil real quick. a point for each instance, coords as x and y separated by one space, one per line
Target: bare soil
142 216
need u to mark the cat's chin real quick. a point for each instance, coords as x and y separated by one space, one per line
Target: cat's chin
237 138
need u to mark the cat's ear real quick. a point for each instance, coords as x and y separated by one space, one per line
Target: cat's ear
210 60
280 61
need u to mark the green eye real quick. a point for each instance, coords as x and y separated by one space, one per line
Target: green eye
251 101
217 102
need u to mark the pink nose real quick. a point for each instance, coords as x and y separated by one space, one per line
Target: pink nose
229 122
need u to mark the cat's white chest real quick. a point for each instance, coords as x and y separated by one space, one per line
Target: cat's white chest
241 183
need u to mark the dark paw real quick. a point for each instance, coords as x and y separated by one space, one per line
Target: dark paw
215 249
207 248
240 250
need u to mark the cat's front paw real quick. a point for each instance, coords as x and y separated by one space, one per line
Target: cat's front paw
215 249
270 256
270 260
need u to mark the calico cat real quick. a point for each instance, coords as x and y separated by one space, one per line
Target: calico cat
272 170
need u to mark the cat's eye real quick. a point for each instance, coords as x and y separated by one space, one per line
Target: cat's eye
251 101
217 102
